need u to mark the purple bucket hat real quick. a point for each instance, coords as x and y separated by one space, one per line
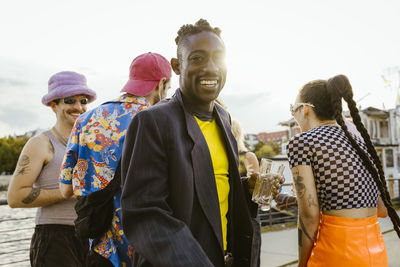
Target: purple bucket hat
65 84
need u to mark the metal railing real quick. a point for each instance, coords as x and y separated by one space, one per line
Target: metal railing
276 216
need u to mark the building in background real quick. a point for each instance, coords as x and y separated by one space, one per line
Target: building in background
293 129
278 137
251 140
384 129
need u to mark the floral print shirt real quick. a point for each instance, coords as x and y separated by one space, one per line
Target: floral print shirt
92 155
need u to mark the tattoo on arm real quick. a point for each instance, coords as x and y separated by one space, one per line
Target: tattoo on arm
33 195
304 229
311 201
22 170
23 161
23 165
299 184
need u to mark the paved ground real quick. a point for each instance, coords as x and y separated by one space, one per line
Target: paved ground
280 247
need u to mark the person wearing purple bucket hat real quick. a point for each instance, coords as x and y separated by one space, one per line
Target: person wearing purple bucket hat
94 150
35 184
66 84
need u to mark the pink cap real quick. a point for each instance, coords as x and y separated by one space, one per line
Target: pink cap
146 71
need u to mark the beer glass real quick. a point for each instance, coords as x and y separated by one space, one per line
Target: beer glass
269 171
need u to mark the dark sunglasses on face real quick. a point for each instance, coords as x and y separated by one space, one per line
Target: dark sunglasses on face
71 100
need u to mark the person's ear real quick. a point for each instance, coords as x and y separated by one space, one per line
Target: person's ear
175 66
306 110
160 85
53 106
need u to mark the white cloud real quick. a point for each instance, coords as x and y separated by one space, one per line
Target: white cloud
274 47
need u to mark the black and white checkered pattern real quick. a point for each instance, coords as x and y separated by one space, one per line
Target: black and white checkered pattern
341 179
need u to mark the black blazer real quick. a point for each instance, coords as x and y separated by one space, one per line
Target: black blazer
170 206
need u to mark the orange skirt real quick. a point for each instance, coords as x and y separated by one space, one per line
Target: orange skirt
348 242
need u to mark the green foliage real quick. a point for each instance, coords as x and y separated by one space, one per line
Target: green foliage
275 146
265 151
258 146
10 148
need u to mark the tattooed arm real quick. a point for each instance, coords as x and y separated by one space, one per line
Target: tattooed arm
37 152
308 211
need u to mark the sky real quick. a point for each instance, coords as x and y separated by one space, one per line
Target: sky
273 48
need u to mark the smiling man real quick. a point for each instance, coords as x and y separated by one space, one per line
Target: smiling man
182 201
35 180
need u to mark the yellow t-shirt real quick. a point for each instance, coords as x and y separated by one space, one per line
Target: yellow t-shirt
219 157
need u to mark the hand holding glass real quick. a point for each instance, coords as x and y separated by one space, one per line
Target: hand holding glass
269 171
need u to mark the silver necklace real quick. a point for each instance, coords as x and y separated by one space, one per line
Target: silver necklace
61 138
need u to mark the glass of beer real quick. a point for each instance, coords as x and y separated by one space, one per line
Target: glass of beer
269 171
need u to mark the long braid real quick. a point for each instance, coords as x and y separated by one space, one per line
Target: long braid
381 186
370 147
339 87
379 174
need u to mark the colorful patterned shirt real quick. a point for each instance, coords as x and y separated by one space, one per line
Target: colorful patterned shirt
92 156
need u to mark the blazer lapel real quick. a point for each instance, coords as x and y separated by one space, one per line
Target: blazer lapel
203 173
225 124
223 121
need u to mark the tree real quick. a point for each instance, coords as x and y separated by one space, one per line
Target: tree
257 146
275 146
10 148
266 151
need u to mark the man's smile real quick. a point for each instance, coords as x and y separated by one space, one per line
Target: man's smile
209 82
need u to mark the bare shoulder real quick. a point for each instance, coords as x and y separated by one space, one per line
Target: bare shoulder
40 146
38 142
34 155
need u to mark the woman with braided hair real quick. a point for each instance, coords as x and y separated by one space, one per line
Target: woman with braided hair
340 184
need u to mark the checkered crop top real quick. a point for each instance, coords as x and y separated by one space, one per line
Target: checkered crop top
341 179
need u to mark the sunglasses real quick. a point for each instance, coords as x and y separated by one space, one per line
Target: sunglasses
296 106
71 100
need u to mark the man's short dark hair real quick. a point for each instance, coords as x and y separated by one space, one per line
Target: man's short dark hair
189 29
